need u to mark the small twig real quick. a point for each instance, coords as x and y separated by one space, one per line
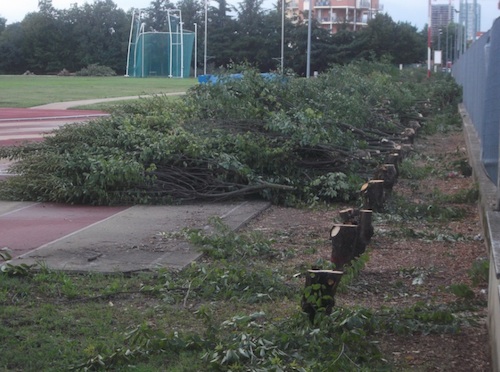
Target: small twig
187 294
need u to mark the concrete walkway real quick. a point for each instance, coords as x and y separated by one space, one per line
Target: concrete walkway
71 104
112 239
101 239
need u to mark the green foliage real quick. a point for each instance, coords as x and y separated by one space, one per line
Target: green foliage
96 70
410 170
479 272
330 187
225 243
438 210
463 196
341 341
9 269
289 140
462 291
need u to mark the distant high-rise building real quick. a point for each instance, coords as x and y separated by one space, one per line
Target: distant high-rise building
334 14
470 17
441 16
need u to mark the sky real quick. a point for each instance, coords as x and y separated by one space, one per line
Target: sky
414 12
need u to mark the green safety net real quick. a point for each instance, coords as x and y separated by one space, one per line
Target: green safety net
161 54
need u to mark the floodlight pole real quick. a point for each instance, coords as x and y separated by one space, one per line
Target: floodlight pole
429 40
195 48
282 36
206 37
308 67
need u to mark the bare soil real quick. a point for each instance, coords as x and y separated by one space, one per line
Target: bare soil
411 260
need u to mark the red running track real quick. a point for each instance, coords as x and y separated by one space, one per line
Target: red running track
18 125
34 225
22 113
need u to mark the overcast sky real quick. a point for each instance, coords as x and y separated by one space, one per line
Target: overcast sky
412 11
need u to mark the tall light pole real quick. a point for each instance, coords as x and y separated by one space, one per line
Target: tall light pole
308 67
206 37
195 49
429 41
282 36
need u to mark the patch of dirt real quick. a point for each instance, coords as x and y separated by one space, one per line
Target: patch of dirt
411 260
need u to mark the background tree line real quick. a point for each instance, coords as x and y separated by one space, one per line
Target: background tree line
50 39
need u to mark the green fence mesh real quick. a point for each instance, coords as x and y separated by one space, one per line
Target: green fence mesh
161 54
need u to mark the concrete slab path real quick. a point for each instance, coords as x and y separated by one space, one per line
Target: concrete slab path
101 239
112 239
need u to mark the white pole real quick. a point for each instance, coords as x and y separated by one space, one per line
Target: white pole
429 40
195 48
206 37
182 44
143 42
282 36
171 44
308 67
130 42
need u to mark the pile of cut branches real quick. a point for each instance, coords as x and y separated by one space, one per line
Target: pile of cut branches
286 139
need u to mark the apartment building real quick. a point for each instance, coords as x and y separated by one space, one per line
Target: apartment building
441 16
334 14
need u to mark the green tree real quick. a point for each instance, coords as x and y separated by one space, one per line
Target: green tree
409 45
3 23
384 39
379 36
100 33
42 38
157 15
12 60
250 16
321 48
46 7
192 12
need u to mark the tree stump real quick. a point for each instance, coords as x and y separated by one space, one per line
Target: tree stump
408 135
373 195
351 237
344 239
394 158
415 125
365 232
349 216
388 174
319 291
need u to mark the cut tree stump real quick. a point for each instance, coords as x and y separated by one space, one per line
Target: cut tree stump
395 159
351 237
365 232
344 239
408 135
319 291
373 195
349 216
387 173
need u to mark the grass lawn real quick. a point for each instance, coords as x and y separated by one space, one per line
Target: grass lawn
28 91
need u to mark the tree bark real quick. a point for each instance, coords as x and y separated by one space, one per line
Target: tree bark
319 291
344 239
373 195
365 232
